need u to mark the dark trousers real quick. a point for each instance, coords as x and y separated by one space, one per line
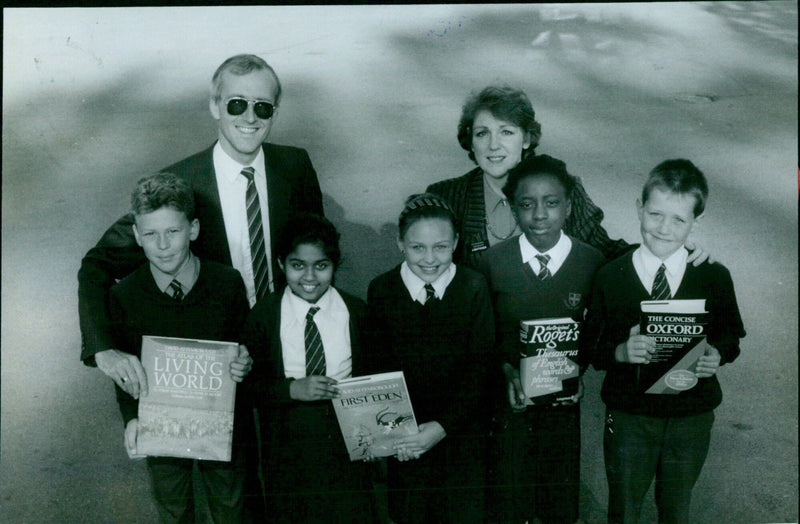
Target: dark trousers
638 448
222 482
535 465
308 473
445 485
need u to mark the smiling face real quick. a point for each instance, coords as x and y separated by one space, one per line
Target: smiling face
497 144
164 234
309 271
541 208
666 219
242 135
428 246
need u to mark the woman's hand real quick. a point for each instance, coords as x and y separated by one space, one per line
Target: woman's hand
413 446
316 387
124 369
697 254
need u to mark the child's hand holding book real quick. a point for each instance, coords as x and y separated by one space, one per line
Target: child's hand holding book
241 365
315 387
413 446
638 349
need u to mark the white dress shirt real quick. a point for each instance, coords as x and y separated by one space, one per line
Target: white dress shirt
416 286
232 187
333 323
558 253
646 265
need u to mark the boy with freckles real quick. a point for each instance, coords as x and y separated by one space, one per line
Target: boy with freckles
177 294
659 436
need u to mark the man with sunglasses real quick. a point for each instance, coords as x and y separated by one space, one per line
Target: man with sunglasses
237 179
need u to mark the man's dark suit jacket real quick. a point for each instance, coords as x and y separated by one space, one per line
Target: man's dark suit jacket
292 186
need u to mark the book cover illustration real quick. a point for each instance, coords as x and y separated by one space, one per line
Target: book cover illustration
679 330
373 411
188 411
548 366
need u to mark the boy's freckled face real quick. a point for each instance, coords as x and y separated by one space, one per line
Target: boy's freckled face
309 271
428 246
165 235
666 220
541 208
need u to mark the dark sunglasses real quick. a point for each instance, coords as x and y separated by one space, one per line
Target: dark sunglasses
262 109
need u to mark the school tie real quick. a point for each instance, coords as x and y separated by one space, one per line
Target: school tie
660 285
255 228
175 287
315 354
544 273
430 294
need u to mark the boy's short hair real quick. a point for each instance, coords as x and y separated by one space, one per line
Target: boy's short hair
678 176
424 205
308 228
538 165
163 190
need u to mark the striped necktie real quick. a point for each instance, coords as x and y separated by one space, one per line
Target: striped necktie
430 294
175 287
315 354
255 228
544 272
660 289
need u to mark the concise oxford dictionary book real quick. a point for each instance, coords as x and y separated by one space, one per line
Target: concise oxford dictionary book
548 366
373 411
188 411
679 329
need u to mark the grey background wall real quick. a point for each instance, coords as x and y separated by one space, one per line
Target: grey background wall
94 98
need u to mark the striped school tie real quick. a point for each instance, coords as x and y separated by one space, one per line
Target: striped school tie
315 354
255 228
430 294
660 289
175 287
544 272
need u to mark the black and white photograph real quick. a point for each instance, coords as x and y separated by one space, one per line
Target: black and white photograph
338 191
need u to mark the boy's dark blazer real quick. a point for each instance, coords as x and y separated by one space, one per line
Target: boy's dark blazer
267 381
292 186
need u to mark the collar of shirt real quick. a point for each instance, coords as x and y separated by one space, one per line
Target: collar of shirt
558 253
186 275
646 265
498 212
416 286
333 323
298 308
230 170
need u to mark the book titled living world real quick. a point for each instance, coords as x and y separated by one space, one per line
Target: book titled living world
188 411
373 412
548 366
679 330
